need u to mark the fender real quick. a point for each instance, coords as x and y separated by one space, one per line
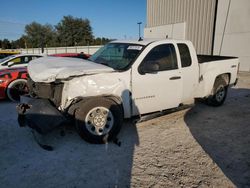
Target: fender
77 102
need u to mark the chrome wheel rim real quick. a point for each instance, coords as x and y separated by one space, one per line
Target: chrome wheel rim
99 121
220 93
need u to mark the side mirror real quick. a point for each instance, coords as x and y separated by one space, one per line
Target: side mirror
10 64
150 67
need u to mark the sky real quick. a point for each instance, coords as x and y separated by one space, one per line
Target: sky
116 19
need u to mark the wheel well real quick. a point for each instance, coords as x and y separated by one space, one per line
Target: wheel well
13 81
19 79
225 76
80 100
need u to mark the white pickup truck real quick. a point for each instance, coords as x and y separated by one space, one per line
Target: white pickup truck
121 80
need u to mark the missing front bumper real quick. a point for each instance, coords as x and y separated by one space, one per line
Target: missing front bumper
39 114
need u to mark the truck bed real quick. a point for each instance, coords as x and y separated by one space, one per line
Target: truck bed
211 67
209 58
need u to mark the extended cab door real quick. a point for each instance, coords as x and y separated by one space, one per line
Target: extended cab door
189 70
156 80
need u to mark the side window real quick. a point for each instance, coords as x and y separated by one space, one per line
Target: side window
160 58
26 59
186 60
29 59
16 60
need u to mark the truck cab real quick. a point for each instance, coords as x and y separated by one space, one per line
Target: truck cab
167 74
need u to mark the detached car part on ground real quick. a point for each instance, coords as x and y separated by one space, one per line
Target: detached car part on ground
121 80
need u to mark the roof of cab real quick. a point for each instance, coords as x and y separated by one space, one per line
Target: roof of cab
146 41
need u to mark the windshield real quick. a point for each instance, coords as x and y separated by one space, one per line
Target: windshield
117 55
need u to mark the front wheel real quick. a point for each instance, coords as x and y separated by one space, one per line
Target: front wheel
219 93
98 120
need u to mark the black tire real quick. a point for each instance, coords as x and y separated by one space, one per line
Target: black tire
98 120
219 93
16 88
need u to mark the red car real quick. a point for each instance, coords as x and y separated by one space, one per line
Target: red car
13 83
75 55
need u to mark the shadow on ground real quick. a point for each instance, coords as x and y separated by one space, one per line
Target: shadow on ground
224 134
73 163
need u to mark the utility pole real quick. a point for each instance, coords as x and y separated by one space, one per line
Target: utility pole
139 24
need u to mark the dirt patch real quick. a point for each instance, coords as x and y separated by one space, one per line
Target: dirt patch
197 147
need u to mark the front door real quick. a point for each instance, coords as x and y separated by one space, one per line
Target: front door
157 83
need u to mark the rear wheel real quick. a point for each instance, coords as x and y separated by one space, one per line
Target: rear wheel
98 120
219 93
17 88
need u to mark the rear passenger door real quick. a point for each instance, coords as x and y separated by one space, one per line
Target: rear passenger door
161 87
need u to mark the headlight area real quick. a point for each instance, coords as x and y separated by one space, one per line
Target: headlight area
51 91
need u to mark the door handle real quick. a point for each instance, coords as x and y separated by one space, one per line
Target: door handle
175 78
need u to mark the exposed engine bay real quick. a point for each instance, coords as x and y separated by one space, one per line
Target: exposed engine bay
51 91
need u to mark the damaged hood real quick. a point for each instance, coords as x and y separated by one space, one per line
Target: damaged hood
49 69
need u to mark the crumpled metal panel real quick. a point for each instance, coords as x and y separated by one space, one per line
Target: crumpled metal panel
50 69
115 84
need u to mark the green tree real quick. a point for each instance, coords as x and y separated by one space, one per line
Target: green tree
98 41
70 31
6 44
39 35
19 43
74 31
101 41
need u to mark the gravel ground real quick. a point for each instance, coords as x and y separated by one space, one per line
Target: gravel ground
200 146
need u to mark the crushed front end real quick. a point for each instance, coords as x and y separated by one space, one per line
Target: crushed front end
39 110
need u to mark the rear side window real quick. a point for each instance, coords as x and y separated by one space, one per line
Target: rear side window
186 60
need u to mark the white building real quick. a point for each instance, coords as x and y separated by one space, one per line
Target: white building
218 27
